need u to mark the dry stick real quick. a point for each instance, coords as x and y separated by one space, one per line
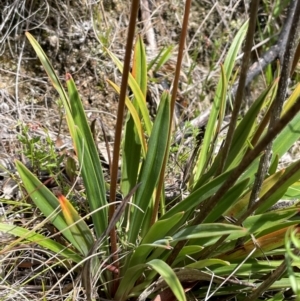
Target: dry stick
173 99
148 27
292 42
296 59
242 81
118 132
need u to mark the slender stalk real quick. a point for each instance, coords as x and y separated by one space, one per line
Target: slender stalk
242 82
173 99
239 97
118 132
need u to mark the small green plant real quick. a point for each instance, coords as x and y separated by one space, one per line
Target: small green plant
139 247
39 149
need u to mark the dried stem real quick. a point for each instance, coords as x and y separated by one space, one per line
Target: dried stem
119 124
242 82
173 99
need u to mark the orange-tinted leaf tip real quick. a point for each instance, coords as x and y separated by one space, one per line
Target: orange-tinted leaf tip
68 76
62 200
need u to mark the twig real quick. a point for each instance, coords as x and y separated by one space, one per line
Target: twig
172 106
242 82
148 27
119 125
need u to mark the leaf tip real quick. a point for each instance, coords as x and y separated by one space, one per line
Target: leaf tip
68 76
61 199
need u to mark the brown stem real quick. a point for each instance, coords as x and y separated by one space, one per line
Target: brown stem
239 97
242 82
173 99
118 132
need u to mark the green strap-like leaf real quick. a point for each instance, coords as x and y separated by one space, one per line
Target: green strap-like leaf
206 263
246 127
79 229
87 153
151 167
197 196
138 94
133 273
139 66
169 276
207 230
291 133
157 232
89 161
263 221
225 202
137 123
211 125
46 201
45 242
241 206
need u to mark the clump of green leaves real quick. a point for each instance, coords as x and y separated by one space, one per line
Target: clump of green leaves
216 232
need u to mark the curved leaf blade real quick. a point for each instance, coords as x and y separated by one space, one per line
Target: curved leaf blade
89 160
169 276
46 201
151 167
79 229
45 242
